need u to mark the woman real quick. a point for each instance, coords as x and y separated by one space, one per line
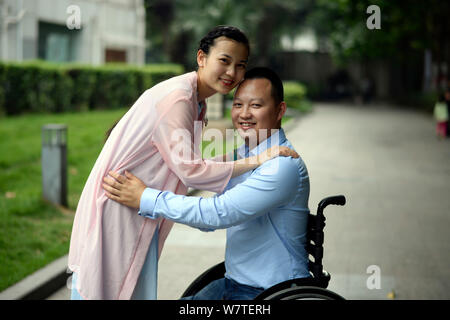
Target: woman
114 255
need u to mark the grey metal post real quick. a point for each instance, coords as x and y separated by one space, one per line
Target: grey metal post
54 163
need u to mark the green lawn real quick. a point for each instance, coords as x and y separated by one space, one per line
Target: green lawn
33 233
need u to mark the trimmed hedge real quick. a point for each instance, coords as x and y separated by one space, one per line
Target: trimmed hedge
294 94
39 86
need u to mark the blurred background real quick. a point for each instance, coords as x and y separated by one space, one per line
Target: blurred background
324 44
83 63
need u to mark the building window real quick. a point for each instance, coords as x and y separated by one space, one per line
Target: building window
112 55
57 43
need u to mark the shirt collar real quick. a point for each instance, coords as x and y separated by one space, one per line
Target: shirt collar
277 138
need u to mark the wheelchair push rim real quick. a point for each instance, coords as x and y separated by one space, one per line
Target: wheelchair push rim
305 293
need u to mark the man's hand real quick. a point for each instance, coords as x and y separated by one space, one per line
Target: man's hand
126 189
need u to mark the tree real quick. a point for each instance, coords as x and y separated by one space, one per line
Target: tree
159 17
407 28
176 26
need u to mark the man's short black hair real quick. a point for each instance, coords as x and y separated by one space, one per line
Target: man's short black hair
269 74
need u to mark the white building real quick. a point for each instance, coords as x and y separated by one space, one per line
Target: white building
86 31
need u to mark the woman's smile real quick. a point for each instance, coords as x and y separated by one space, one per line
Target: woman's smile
227 82
222 68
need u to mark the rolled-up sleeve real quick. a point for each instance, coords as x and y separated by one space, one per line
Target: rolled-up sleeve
257 195
174 139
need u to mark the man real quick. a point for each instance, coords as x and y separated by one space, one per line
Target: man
265 211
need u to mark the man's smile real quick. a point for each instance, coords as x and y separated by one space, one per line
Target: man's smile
247 124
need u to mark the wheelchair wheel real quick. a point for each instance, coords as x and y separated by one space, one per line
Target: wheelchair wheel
305 293
213 273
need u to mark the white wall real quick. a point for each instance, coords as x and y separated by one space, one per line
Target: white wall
114 24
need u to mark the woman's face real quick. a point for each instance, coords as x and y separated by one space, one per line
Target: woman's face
223 68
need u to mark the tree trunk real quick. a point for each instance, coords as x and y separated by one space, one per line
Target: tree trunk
178 49
264 38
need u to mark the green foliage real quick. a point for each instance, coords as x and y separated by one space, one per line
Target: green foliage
405 26
84 82
421 100
39 86
114 88
34 87
2 89
230 95
180 24
294 94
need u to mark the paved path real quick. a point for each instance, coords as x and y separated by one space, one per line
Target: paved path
396 177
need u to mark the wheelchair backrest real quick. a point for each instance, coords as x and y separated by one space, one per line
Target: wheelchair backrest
314 245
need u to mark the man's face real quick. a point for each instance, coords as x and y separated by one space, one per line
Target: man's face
254 111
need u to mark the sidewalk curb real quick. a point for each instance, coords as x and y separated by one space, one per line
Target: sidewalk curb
40 284
47 280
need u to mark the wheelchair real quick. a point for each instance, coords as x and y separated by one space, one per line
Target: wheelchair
311 288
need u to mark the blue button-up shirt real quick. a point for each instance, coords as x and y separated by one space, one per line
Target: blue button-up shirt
265 211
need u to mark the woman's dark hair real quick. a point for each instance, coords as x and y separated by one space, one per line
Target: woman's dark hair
223 31
266 73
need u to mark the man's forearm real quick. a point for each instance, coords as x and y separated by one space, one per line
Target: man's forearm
198 212
217 212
